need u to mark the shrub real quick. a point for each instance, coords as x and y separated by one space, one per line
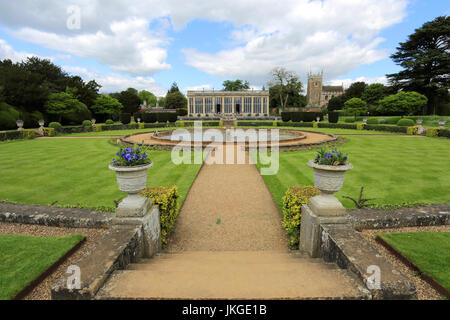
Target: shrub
286 116
372 121
360 126
49 132
167 199
149 117
333 117
315 124
164 116
432 132
293 200
55 125
385 128
10 135
444 133
349 120
125 118
86 123
405 123
181 112
412 130
173 117
296 116
28 134
109 121
392 120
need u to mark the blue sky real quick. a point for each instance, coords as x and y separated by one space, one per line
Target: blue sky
149 44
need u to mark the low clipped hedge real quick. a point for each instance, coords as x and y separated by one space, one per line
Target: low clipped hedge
293 200
16 134
301 116
373 121
406 123
49 132
337 125
432 132
444 133
109 121
296 124
412 130
167 199
385 128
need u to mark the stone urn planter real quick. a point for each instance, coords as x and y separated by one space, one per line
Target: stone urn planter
329 179
131 180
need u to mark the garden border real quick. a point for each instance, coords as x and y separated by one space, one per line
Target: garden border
438 287
34 283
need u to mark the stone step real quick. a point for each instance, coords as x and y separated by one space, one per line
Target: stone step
230 275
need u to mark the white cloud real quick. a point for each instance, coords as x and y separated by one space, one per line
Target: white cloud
198 88
131 36
114 82
7 52
130 48
347 82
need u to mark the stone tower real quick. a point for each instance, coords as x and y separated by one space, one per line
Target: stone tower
314 89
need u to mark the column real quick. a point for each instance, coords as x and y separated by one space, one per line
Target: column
253 107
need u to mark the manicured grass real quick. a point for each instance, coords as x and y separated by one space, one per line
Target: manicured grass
74 172
25 258
339 131
429 251
394 170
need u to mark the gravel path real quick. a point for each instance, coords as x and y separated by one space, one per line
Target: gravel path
42 291
424 290
228 208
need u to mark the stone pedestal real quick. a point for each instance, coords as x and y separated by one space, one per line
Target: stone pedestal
140 212
321 209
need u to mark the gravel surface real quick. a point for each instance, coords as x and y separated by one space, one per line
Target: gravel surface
424 290
42 291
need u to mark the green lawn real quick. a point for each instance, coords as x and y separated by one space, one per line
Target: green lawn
394 170
24 258
120 133
75 172
346 131
429 251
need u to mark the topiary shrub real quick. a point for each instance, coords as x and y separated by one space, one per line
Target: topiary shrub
372 121
292 206
86 123
55 125
28 134
360 126
167 199
333 117
412 130
405 123
173 117
49 132
392 120
315 124
109 122
125 118
432 132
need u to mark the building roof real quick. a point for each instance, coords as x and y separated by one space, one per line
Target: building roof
333 88
229 93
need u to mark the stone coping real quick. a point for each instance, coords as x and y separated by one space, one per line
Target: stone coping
54 216
428 215
121 246
341 244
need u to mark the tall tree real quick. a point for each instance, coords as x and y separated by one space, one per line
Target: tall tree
355 90
374 93
236 85
63 103
425 59
130 100
336 103
106 105
174 88
294 91
175 100
282 77
402 103
355 106
148 97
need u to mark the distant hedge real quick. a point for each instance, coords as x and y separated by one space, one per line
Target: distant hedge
301 116
125 118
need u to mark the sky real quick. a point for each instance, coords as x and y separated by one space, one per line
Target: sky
200 43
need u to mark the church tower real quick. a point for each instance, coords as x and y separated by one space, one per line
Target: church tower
314 89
